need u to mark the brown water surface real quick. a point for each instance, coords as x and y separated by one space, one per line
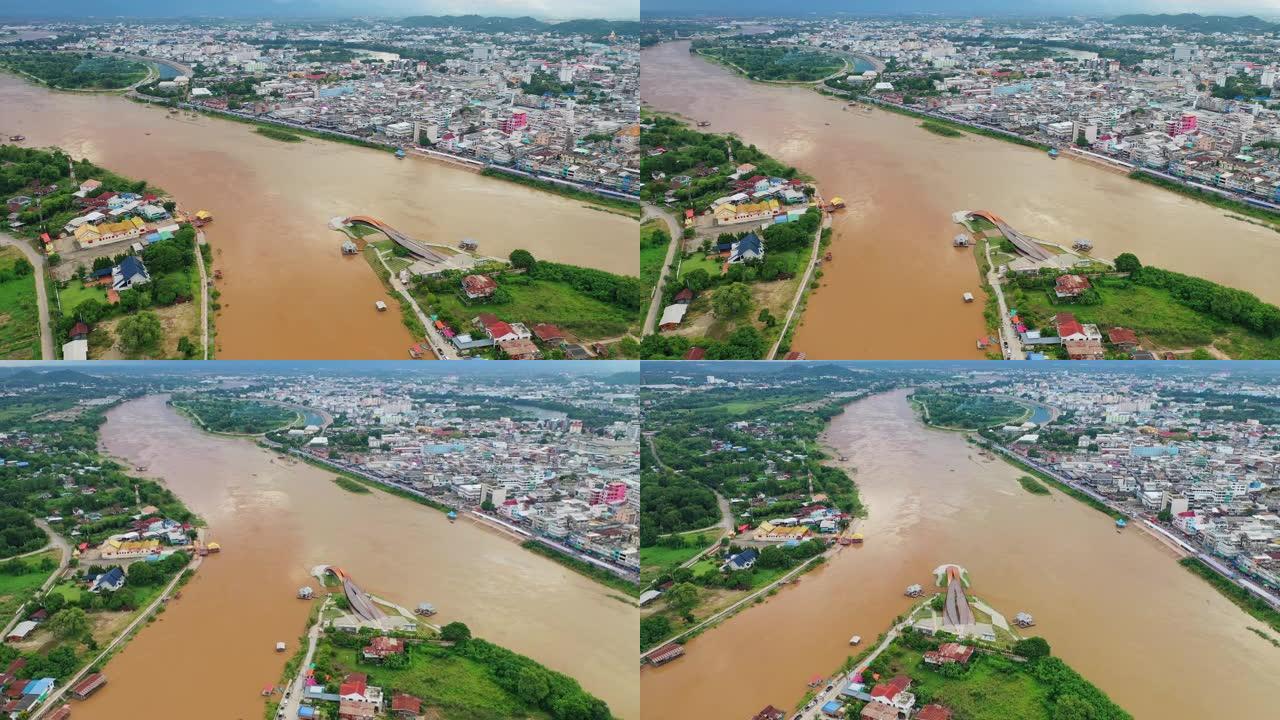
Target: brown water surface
1116 606
894 288
212 651
287 292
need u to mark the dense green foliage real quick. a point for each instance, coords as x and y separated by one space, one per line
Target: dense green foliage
760 62
18 533
234 415
75 72
1227 304
1032 485
701 157
350 485
278 134
968 411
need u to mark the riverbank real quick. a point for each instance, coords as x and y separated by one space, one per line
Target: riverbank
1271 217
629 208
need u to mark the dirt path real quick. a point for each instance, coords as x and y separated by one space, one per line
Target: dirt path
42 298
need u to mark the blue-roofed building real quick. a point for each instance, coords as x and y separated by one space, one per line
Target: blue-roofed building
111 581
306 711
128 273
38 688
748 247
832 708
742 561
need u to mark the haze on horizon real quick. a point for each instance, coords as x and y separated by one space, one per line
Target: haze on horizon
1269 9
541 9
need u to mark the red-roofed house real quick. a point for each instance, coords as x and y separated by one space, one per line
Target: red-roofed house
770 713
478 286
684 297
933 712
381 647
1123 338
895 693
405 706
1067 325
354 684
548 333
88 686
1069 286
949 653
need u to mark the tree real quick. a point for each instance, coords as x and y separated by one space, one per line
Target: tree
1032 648
69 623
697 279
455 632
186 347
532 685
732 300
682 598
140 333
1128 263
522 259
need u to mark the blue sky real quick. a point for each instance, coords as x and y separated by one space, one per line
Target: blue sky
1264 8
544 9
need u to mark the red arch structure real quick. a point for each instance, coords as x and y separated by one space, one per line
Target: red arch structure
1025 244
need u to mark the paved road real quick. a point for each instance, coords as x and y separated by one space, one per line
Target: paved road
1010 343
651 212
297 689
442 348
804 284
42 298
204 297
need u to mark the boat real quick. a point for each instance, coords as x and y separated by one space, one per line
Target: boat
217 274
1082 245
380 305
968 297
305 592
280 646
400 153
1121 524
426 609
703 123
855 639
17 138
453 515
828 257
1023 619
1053 153
914 591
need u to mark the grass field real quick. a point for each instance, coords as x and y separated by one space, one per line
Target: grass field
541 301
278 134
658 559
19 316
699 260
994 689
1157 317
459 687
15 589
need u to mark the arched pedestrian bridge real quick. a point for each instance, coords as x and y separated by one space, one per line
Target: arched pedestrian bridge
417 247
362 604
1025 244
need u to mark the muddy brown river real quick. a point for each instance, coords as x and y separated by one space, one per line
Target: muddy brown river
1116 606
287 292
210 653
894 287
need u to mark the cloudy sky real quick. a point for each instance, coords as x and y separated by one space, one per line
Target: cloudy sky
545 9
1265 8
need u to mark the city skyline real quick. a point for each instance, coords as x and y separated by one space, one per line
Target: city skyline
550 10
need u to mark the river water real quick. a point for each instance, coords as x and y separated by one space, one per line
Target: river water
212 651
894 287
1116 606
287 292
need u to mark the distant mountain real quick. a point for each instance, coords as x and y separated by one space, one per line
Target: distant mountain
1199 23
480 23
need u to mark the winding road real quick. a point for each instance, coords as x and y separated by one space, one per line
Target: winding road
42 298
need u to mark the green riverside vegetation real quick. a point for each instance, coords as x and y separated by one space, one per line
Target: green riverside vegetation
1242 598
278 134
626 207
1032 485
234 415
350 485
938 128
966 411
771 63
19 316
600 575
69 71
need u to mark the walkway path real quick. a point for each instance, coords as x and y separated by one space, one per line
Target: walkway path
439 344
204 297
804 284
1010 344
55 540
297 689
42 298
650 212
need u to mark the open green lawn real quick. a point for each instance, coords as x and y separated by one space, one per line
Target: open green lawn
541 301
461 688
699 260
19 319
987 692
75 293
69 591
656 560
15 589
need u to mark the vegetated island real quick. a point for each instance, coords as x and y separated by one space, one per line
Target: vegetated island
72 71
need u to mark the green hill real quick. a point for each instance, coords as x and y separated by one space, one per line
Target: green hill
1199 23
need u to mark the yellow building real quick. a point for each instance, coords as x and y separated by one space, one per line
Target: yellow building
115 548
103 233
